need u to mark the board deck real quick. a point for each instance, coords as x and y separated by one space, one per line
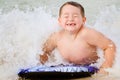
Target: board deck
57 72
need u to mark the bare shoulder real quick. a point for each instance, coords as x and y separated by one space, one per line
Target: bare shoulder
97 38
90 32
56 35
60 33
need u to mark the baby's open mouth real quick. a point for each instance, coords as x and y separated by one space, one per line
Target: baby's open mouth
71 24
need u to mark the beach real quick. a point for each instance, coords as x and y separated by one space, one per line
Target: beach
26 24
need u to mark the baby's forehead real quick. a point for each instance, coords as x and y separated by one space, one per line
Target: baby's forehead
70 8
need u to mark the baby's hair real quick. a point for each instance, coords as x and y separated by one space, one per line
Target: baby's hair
73 4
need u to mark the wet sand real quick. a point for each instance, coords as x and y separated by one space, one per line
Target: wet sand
99 77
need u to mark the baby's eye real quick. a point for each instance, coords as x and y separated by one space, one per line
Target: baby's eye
75 15
66 16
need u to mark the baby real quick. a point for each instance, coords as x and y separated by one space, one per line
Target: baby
76 42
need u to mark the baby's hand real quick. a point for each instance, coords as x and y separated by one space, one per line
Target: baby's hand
102 71
43 58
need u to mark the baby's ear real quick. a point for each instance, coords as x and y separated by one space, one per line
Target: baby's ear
84 19
59 21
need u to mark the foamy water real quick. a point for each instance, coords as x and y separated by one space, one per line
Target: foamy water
22 33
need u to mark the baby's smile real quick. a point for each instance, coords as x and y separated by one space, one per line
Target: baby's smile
71 24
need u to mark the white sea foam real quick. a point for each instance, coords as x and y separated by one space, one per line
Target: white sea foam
22 34
108 23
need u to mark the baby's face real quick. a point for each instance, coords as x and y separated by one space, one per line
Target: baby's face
71 18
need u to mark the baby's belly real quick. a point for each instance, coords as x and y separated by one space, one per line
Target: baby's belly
83 58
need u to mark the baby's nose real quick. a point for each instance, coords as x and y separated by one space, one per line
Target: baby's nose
71 18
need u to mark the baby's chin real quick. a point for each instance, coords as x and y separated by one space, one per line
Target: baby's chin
71 30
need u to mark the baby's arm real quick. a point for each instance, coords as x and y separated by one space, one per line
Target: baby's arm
99 40
48 47
109 55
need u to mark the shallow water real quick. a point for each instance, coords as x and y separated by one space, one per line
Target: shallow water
25 25
100 77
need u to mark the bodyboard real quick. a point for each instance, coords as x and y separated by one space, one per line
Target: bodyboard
57 72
